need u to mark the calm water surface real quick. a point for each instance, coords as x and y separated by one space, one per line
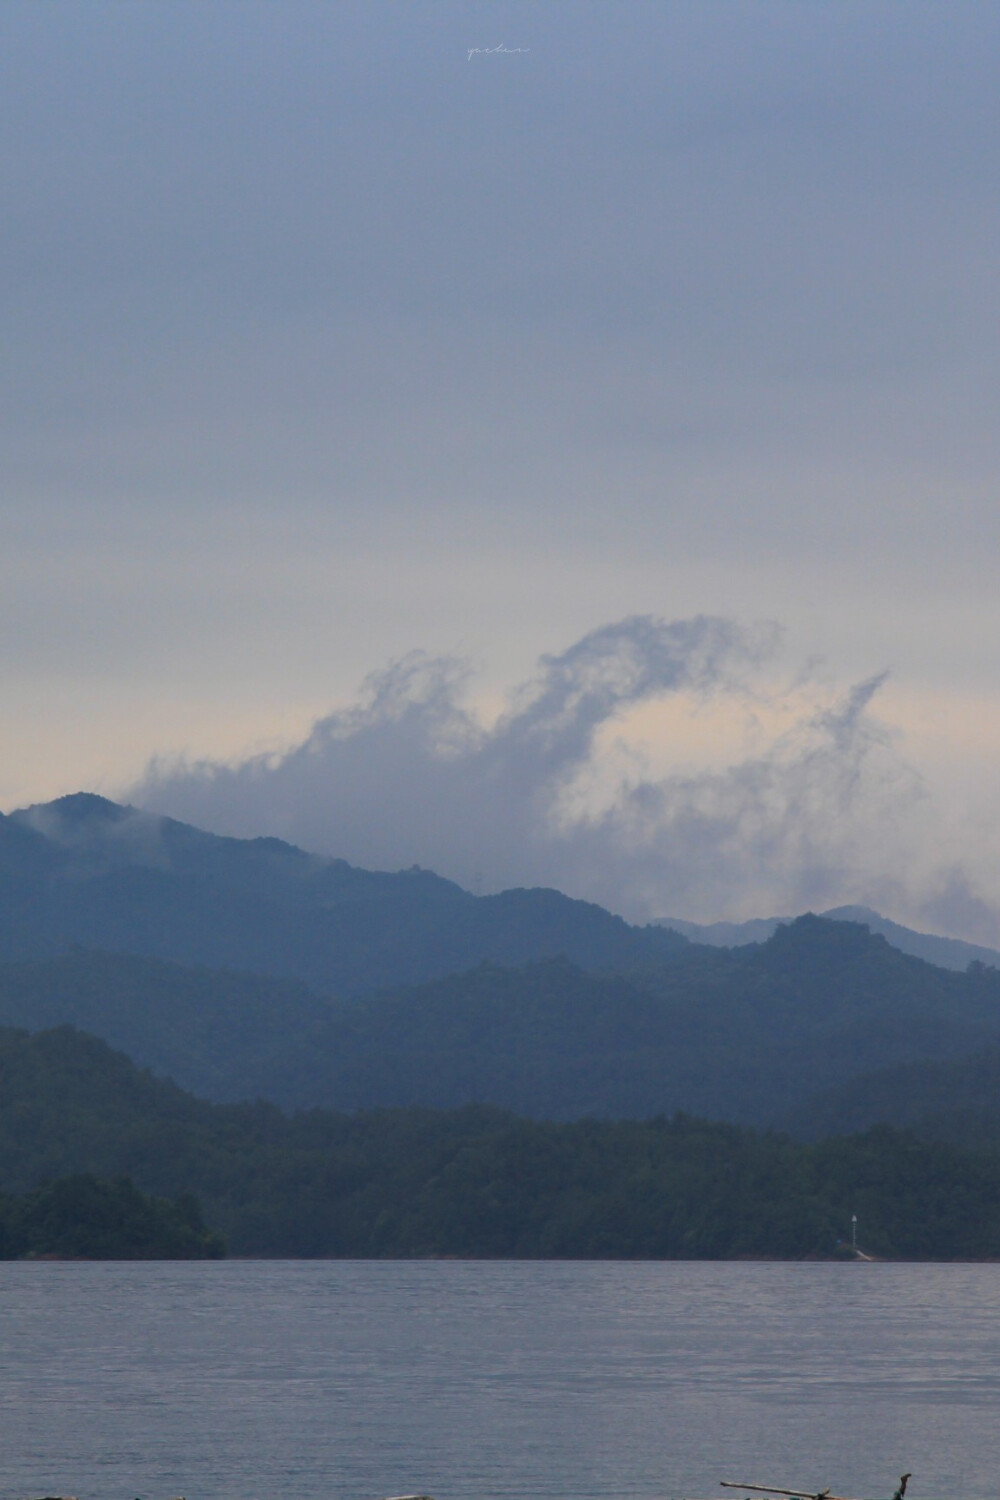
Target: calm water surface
495 1381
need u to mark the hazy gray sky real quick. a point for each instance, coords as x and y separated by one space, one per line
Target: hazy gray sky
325 341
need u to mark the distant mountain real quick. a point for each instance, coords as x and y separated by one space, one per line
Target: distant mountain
726 934
738 1036
947 953
747 1034
87 871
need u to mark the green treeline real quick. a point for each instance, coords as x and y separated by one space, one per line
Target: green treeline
85 1218
478 1181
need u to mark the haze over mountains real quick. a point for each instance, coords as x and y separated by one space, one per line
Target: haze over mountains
86 870
750 1035
248 968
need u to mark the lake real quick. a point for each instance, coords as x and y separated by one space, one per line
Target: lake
247 1380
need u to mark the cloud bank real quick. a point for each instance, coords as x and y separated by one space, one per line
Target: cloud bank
824 810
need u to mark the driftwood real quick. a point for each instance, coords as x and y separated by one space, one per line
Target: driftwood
768 1489
804 1494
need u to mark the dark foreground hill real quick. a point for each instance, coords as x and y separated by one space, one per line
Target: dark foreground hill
749 1035
87 871
479 1182
82 1217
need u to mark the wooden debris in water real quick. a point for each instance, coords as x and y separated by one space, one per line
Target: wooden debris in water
803 1494
770 1489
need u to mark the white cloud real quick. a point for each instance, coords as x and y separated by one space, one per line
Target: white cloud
822 809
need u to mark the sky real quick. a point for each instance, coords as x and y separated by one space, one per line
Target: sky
550 443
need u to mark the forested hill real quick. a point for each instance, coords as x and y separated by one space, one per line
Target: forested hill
749 1035
741 1036
947 953
477 1182
954 1099
81 1217
88 871
225 1036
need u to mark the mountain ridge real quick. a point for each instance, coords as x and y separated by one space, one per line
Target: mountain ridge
88 871
944 952
743 1034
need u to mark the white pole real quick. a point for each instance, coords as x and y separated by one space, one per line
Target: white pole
854 1231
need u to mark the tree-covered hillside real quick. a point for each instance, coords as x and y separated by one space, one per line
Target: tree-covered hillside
479 1181
748 1035
86 871
738 1036
224 1036
945 952
85 1218
954 1099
